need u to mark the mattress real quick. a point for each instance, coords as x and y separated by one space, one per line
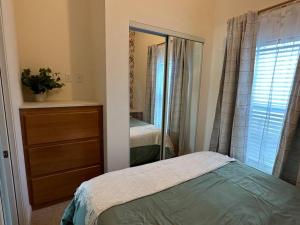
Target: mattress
232 194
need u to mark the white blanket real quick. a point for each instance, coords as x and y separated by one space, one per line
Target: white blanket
147 135
115 188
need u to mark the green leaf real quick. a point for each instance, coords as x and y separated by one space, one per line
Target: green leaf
42 82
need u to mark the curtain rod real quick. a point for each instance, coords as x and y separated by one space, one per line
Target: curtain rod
277 6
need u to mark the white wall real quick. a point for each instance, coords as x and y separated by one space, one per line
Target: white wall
68 36
142 41
44 40
97 18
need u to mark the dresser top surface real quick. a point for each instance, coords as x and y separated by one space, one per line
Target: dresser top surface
54 104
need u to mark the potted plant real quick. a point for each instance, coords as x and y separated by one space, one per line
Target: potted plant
41 83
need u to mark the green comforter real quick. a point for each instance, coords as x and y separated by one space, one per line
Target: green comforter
233 195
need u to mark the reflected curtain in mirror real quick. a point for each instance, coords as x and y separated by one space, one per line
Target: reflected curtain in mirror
155 84
183 92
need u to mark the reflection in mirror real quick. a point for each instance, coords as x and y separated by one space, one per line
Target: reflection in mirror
183 88
146 72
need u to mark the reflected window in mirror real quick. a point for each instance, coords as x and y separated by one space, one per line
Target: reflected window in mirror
159 85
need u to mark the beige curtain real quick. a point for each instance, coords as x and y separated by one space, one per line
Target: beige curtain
181 72
176 71
179 80
287 165
185 130
151 84
229 134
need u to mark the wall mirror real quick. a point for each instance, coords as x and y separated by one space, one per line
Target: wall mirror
164 74
146 70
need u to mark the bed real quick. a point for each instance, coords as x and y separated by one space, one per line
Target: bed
145 143
197 189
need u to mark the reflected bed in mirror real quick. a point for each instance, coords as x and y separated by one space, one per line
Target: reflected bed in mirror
145 143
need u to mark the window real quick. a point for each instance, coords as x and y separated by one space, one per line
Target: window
274 72
159 86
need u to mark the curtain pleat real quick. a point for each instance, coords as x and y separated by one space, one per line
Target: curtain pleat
184 146
150 84
181 74
176 64
229 133
287 165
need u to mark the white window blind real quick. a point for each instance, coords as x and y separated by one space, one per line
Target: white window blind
274 72
159 85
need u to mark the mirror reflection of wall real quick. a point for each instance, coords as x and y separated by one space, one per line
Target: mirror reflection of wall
164 95
146 71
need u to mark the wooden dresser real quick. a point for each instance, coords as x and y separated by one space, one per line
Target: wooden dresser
63 147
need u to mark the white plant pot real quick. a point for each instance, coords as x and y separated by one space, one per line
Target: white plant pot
40 97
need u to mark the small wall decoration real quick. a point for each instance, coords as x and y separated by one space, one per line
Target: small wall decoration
41 83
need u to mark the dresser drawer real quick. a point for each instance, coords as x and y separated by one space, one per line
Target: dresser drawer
51 159
52 125
58 187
